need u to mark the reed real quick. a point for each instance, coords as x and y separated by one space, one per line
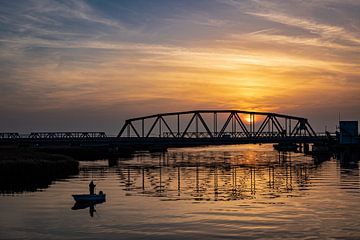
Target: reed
27 170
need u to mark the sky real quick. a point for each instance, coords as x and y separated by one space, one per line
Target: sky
89 65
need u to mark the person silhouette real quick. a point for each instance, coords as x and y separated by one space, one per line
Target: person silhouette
92 187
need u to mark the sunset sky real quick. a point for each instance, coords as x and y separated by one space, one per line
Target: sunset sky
89 65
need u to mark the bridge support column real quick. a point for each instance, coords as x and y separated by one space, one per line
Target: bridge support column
306 147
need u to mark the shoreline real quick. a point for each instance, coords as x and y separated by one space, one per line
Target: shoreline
27 170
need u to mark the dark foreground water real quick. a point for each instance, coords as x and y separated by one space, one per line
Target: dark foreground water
235 192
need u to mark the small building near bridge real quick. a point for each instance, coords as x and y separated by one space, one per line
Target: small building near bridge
349 132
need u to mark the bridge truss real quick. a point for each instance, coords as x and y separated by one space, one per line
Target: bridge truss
62 135
217 124
53 135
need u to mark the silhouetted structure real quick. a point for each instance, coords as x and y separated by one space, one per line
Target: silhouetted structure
92 187
259 124
178 129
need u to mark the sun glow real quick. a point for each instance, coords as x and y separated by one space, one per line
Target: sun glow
248 119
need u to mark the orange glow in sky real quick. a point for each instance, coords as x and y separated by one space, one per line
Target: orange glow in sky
82 62
249 119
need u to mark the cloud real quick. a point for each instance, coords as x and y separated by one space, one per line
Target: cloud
197 18
71 9
57 21
265 36
324 30
70 55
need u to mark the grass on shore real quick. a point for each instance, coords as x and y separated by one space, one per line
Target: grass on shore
20 168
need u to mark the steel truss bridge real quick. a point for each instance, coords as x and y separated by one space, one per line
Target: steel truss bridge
217 124
184 129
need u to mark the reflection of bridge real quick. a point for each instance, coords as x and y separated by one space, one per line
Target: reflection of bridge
181 129
227 176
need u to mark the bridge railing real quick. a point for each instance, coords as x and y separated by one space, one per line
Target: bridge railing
9 135
222 135
52 135
66 135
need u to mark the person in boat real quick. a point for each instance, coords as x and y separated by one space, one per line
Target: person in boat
92 187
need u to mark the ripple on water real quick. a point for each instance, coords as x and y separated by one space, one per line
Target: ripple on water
210 193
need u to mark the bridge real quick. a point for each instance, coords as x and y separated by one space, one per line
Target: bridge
217 124
181 129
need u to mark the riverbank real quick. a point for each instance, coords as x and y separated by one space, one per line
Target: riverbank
28 170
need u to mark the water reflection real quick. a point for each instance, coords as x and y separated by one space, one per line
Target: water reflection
19 184
206 175
208 193
216 176
84 205
349 169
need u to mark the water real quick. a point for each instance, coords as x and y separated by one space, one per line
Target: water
246 191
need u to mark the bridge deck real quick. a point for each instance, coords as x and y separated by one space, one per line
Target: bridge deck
155 141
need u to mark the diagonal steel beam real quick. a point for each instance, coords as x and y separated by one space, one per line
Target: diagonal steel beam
123 129
242 125
132 126
152 127
226 124
205 125
188 126
262 126
167 126
278 125
295 130
311 129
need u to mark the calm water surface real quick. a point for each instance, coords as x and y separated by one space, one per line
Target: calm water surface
247 191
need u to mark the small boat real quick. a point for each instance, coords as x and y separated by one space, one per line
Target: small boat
95 198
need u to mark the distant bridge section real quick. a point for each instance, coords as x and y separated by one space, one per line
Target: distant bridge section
53 135
218 124
9 135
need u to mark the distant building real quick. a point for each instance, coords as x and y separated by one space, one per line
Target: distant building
349 132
